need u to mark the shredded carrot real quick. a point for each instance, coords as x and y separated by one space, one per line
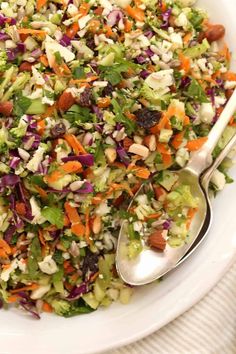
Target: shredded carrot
225 52
186 120
49 112
53 177
190 216
66 221
136 13
130 115
177 140
93 277
72 30
128 26
163 148
72 213
163 6
88 79
41 192
87 228
229 76
187 37
13 298
152 216
47 307
75 144
5 247
43 60
196 144
41 126
127 143
185 63
108 31
167 160
159 191
84 8
41 237
78 229
104 102
97 199
68 268
20 208
71 167
31 287
31 31
142 172
40 4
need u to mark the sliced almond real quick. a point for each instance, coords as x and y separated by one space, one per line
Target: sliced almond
156 240
150 142
139 149
110 154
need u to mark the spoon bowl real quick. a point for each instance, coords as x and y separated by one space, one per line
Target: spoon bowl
150 265
143 268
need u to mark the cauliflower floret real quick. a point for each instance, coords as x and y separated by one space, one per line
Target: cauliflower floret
218 180
207 113
36 212
40 292
48 265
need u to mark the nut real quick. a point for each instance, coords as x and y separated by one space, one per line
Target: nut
139 149
66 100
96 225
150 142
214 33
6 108
156 240
110 154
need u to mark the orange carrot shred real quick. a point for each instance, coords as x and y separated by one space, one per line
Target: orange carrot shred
75 144
31 287
196 144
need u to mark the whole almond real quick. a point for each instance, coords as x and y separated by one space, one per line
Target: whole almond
6 108
156 240
214 33
66 100
25 66
150 142
97 225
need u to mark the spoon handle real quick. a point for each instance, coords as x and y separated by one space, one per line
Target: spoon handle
202 159
208 174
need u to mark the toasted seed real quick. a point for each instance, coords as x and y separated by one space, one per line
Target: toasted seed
156 240
97 225
150 142
110 154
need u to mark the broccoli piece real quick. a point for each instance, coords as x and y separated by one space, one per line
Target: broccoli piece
3 61
5 144
17 85
68 309
6 79
151 4
19 131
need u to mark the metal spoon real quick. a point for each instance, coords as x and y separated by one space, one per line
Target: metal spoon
205 180
149 264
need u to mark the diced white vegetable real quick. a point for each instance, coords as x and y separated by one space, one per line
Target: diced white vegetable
5 273
102 209
218 179
229 85
83 21
37 77
165 135
52 46
207 113
161 79
40 292
139 149
182 156
48 265
37 158
36 212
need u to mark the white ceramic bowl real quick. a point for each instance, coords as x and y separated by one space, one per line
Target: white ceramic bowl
151 307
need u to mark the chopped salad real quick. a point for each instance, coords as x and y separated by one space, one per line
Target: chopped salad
95 97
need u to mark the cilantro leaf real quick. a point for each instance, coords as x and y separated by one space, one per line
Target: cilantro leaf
129 124
21 105
77 114
78 73
53 215
113 73
196 92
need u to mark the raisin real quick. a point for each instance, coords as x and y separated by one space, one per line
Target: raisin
85 98
90 43
58 130
147 118
90 263
107 91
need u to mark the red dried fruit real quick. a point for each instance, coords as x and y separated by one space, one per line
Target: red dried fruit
214 33
25 66
147 118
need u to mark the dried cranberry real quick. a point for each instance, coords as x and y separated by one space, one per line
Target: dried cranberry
58 130
90 263
107 91
90 43
147 118
85 98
